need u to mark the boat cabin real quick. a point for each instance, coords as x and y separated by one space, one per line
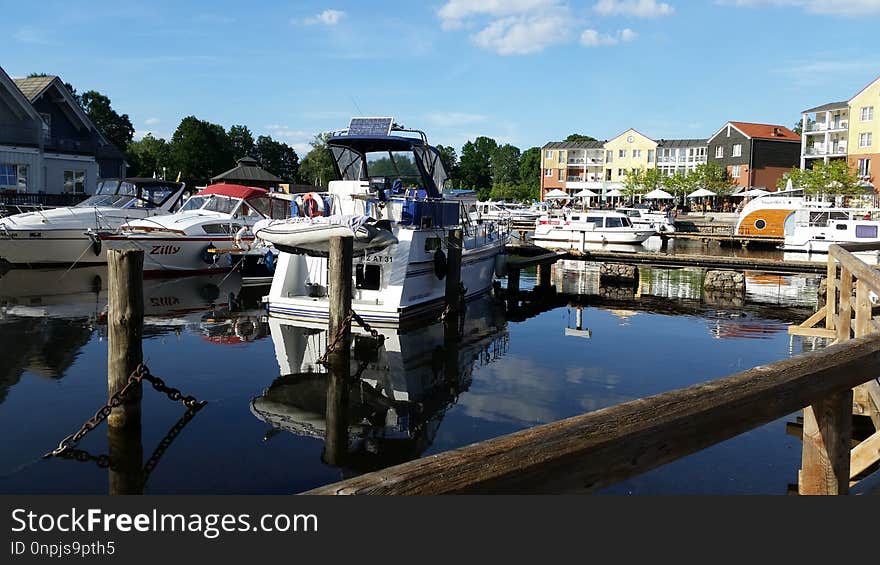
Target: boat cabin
239 202
143 193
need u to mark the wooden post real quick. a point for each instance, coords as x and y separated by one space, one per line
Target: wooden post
125 328
453 269
844 314
825 459
339 281
126 451
863 309
544 275
830 293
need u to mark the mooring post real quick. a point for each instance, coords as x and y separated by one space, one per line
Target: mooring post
453 270
338 337
544 275
125 328
512 281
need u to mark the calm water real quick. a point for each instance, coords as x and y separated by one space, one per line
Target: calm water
263 428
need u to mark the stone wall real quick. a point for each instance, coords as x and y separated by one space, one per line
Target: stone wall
725 281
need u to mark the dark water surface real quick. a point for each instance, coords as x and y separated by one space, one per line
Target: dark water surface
263 427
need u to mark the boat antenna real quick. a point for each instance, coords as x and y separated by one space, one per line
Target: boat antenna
360 112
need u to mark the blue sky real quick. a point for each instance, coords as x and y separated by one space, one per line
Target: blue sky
522 71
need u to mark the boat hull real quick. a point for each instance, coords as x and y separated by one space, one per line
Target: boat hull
180 255
578 239
50 247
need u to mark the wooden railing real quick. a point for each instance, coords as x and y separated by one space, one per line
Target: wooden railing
597 449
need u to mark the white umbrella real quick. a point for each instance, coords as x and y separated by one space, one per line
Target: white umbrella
585 193
614 192
701 192
556 193
753 192
657 194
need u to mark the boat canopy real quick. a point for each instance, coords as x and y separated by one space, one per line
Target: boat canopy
234 191
411 161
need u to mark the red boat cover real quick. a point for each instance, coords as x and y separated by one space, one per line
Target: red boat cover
234 190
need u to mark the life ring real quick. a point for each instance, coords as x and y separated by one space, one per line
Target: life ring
269 261
244 329
313 205
440 265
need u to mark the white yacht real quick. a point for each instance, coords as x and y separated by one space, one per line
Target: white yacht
574 230
209 233
500 210
392 177
659 221
68 235
813 230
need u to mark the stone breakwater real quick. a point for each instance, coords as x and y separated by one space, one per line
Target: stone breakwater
726 281
620 272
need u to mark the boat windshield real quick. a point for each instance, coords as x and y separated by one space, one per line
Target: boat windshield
124 194
395 165
106 200
212 203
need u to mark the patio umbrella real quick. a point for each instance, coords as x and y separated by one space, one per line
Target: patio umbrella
701 192
585 193
658 194
614 193
753 192
556 194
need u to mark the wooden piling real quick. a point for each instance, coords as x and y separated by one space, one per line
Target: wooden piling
544 275
339 281
453 269
125 328
512 280
825 461
126 451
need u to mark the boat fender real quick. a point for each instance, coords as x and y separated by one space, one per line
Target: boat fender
313 205
240 234
440 265
269 260
207 256
96 242
501 265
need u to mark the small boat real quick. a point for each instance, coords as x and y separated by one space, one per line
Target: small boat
661 222
575 229
500 210
211 232
311 236
813 230
68 235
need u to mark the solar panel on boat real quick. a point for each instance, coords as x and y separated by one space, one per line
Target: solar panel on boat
370 126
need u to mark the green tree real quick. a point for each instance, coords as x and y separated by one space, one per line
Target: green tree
798 127
504 165
578 137
530 171
713 177
149 156
317 168
117 128
200 150
276 157
242 141
835 178
474 166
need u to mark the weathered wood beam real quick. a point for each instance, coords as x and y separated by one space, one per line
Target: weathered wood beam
864 455
825 459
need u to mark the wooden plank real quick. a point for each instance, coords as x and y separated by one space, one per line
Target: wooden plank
593 450
830 293
825 459
864 455
859 269
844 310
863 309
815 318
812 332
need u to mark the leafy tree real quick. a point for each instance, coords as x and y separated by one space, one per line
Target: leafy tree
832 178
148 156
200 150
504 165
639 181
798 127
317 167
530 170
713 177
513 192
475 169
242 141
578 137
276 157
117 128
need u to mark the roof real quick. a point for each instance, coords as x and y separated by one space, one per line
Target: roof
15 92
248 170
574 145
825 107
766 131
682 142
370 143
33 87
234 190
867 86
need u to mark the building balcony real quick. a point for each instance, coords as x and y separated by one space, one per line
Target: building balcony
66 145
13 135
815 127
576 161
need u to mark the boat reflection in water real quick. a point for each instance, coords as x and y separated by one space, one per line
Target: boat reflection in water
393 406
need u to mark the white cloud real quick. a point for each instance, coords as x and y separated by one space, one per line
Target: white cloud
454 12
327 17
829 7
592 38
636 8
520 35
152 121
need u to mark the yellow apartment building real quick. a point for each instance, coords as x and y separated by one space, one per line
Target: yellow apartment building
627 152
864 132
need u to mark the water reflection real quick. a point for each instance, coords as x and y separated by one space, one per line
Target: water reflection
401 388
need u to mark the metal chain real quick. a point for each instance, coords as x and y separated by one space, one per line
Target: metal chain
117 399
81 455
169 438
337 339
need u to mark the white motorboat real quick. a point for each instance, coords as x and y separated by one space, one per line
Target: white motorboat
312 235
64 236
574 230
211 231
659 221
813 230
396 181
500 210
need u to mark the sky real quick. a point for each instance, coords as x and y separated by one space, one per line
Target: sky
524 72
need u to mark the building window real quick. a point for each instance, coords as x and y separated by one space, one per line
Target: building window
735 171
621 153
719 152
650 155
47 124
637 153
867 113
561 174
74 182
738 150
609 156
621 172
13 177
548 172
561 156
548 154
864 167
865 139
